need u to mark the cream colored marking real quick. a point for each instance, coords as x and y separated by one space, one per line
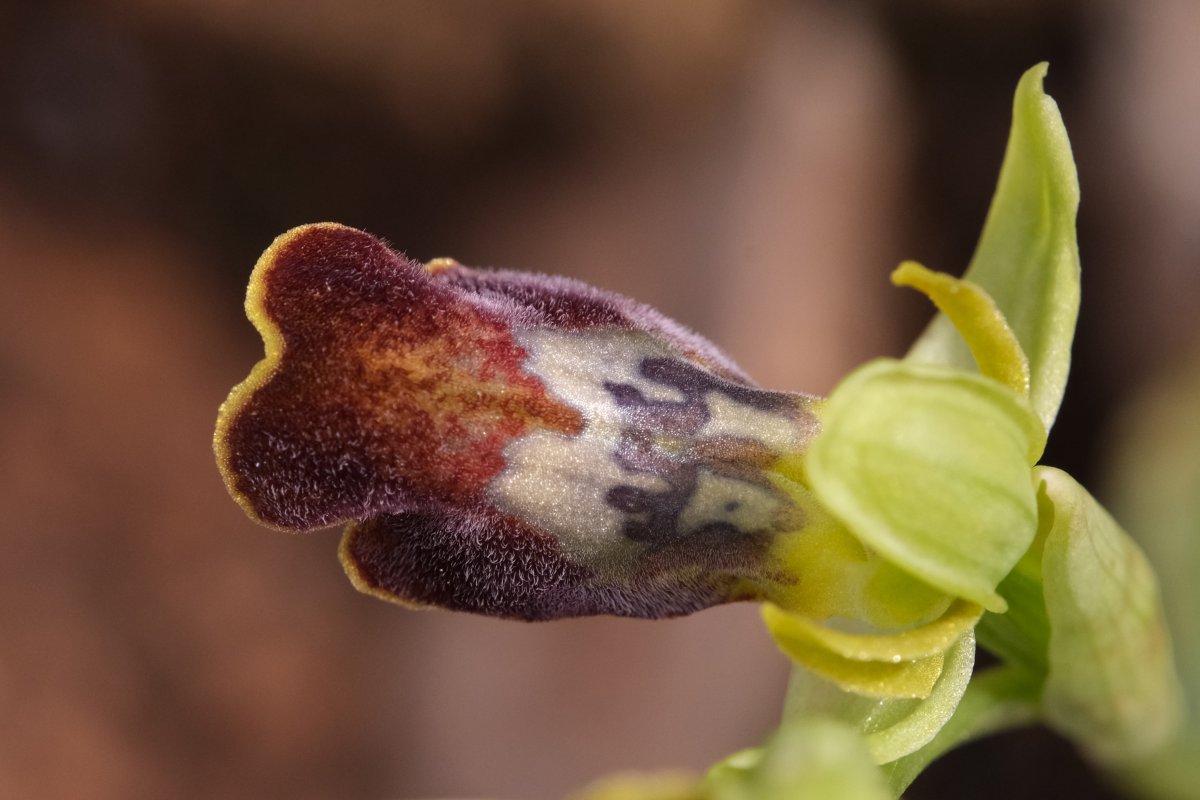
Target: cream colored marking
720 499
559 484
728 417
576 365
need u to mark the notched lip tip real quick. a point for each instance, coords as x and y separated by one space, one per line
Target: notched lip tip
360 582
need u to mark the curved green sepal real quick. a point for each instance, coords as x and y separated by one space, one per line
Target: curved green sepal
1027 258
929 467
806 758
892 727
1111 684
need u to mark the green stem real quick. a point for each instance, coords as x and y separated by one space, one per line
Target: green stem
1000 699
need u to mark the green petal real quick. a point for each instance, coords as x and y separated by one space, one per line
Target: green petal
982 326
907 664
910 645
1027 258
893 728
1111 684
929 467
806 758
899 679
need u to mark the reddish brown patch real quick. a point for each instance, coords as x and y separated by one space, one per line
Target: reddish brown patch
391 390
455 395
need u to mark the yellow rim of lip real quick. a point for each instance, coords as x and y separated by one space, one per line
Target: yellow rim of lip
260 373
359 581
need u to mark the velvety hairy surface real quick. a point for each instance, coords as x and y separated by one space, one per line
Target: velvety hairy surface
504 443
557 302
364 403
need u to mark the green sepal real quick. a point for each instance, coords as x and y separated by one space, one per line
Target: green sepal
1027 258
1111 684
929 467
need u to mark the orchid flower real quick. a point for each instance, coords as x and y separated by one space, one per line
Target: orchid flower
532 447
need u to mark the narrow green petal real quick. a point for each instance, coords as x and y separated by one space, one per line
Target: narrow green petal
903 679
929 467
906 664
893 727
735 767
1027 258
993 344
1111 684
920 642
806 758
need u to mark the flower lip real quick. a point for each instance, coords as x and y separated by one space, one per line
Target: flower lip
614 461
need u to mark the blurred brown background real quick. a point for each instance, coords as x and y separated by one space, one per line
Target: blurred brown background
754 169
